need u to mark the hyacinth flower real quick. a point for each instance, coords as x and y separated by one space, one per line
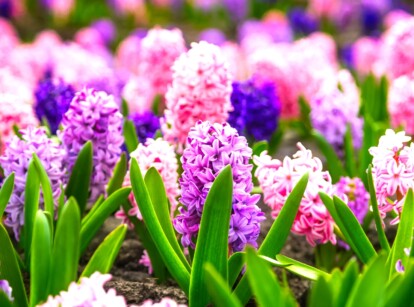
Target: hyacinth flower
53 98
146 125
94 116
393 171
200 90
302 22
209 149
16 159
88 292
277 179
256 109
165 302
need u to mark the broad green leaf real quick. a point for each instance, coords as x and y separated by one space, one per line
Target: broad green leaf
368 141
404 294
80 178
349 278
156 190
335 167
9 269
262 280
124 108
45 184
65 252
276 139
91 212
235 264
118 176
404 235
5 192
278 233
377 218
354 230
90 228
213 236
104 256
4 300
218 288
321 294
350 163
259 147
130 135
41 258
369 288
31 204
173 262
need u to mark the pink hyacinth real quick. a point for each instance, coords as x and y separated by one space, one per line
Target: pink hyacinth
139 94
200 90
146 262
393 171
16 86
365 54
278 178
127 55
401 102
14 112
88 292
159 50
160 155
165 302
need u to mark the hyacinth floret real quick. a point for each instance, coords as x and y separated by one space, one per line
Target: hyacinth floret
256 109
278 178
94 116
211 147
53 98
5 287
165 302
393 171
146 125
16 159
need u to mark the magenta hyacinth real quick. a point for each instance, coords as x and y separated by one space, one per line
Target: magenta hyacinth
278 178
94 116
210 147
16 159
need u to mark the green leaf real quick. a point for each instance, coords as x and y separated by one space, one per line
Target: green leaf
31 204
156 190
45 184
259 147
174 264
41 258
124 108
212 242
80 178
90 228
130 135
235 264
218 288
403 294
348 281
4 300
335 166
404 235
9 269
377 218
278 233
321 294
5 192
118 176
104 256
350 163
91 212
65 252
276 139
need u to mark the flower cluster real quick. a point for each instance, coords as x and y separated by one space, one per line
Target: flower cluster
16 159
278 178
393 171
165 302
88 292
256 109
94 116
209 149
355 194
53 98
146 125
200 90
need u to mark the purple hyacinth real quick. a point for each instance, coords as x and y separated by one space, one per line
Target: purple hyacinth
146 125
5 287
16 159
53 98
256 109
302 22
356 194
106 29
210 147
94 116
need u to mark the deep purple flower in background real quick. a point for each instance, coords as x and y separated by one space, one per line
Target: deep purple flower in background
106 29
347 56
237 9
53 98
94 116
210 147
371 20
6 9
302 22
16 159
5 287
256 109
146 125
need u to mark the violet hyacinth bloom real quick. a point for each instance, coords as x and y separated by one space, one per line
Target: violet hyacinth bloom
256 109
146 124
210 147
53 98
302 22
16 159
94 116
5 287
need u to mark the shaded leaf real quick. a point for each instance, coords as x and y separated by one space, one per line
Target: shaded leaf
5 192
119 173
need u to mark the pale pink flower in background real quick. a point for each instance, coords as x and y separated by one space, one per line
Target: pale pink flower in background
47 38
200 90
11 84
365 53
278 178
139 94
165 302
236 59
394 16
325 8
127 55
61 9
146 261
401 102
